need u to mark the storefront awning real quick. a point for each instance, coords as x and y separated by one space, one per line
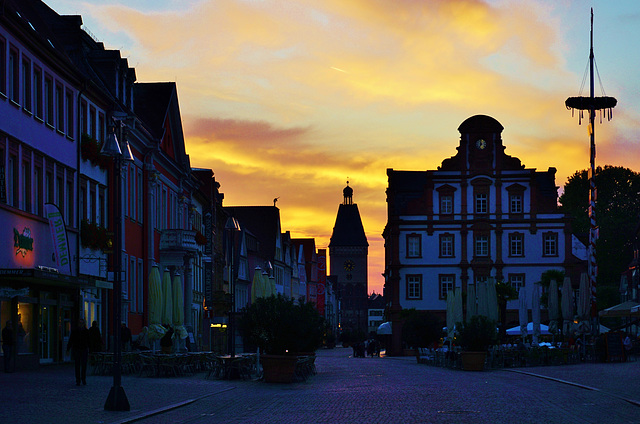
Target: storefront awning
43 277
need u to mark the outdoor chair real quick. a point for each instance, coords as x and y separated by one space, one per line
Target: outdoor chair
147 366
215 367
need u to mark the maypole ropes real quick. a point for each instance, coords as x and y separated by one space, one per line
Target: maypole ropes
592 104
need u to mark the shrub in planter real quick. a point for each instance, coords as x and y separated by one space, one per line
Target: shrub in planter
477 334
280 328
277 326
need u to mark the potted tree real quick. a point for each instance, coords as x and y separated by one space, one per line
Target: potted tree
475 336
282 330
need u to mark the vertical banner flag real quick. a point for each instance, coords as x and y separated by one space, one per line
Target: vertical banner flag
59 236
322 280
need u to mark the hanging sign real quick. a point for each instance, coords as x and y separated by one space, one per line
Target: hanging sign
23 242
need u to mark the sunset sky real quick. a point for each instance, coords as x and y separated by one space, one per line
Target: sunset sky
290 99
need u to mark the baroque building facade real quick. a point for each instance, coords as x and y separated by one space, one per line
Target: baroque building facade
480 215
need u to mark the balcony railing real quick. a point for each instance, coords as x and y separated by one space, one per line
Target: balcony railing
181 240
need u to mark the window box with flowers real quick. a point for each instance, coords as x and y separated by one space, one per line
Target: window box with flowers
94 237
90 151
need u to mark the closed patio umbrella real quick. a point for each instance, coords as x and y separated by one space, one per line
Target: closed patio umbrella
567 305
178 308
450 313
523 312
552 306
155 330
492 300
472 307
257 289
535 312
481 294
457 306
167 298
584 297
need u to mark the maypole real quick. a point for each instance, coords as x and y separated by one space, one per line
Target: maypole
592 104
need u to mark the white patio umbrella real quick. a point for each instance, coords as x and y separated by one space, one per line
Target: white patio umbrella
167 298
457 306
516 331
553 307
178 308
155 330
492 300
481 293
584 297
523 312
535 312
472 306
450 313
567 305
257 287
384 328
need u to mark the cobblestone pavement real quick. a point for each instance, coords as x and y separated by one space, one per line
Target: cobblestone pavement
346 389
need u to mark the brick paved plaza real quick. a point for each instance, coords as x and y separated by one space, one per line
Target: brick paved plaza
345 390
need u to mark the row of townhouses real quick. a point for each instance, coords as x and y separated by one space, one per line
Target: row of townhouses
70 215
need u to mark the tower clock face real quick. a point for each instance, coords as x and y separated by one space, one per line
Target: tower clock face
481 144
349 265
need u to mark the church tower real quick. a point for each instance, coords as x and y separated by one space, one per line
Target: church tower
348 250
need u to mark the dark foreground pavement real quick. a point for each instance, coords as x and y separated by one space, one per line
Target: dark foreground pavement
346 390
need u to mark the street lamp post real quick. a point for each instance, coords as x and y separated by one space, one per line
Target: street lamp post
117 399
231 226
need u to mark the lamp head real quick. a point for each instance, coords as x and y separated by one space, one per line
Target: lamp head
111 147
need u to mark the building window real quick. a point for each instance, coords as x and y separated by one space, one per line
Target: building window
482 245
48 187
140 283
101 219
12 181
3 65
516 281
102 128
69 214
60 107
140 195
48 100
481 202
37 92
550 244
446 245
83 202
414 287
14 76
516 244
92 122
481 279
26 186
446 204
414 246
37 192
446 284
515 203
70 112
26 84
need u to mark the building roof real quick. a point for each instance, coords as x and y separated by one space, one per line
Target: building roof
151 103
348 229
263 222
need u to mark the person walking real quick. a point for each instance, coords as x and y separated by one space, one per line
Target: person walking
7 346
95 338
125 337
79 347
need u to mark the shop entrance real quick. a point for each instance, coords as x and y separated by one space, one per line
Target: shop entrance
47 331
